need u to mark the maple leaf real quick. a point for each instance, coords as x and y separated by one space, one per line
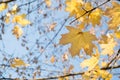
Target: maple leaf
90 63
114 14
78 40
73 6
17 31
17 63
79 8
7 18
96 73
117 34
52 26
48 2
3 6
104 74
104 39
95 17
93 73
52 60
92 17
24 22
14 9
109 47
20 19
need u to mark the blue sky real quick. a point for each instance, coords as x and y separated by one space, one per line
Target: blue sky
12 47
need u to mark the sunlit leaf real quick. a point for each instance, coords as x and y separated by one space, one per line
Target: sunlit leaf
52 60
79 8
73 6
24 22
3 6
104 74
7 18
14 9
104 64
52 26
21 20
95 17
78 40
114 14
71 68
108 48
17 31
90 63
18 63
48 2
117 34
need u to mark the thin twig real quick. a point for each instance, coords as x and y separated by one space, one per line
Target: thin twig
113 58
7 1
66 75
54 36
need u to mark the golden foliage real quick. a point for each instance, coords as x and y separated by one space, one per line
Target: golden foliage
17 63
52 59
3 6
117 34
20 19
90 63
114 14
108 48
80 9
78 40
17 31
96 73
48 2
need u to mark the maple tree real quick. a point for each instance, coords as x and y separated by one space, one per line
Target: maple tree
87 50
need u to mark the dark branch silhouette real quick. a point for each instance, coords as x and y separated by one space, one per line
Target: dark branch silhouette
7 1
66 75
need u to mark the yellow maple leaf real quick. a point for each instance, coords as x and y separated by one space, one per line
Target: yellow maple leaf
52 59
7 18
104 64
74 7
117 34
52 26
48 2
96 73
14 9
108 48
79 8
114 14
3 6
24 22
92 17
78 40
104 39
17 63
17 31
104 74
20 19
90 63
95 17
81 26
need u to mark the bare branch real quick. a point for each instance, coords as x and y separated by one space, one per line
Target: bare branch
7 1
66 75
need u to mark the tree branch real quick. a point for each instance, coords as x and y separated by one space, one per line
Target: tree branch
63 76
7 1
89 11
